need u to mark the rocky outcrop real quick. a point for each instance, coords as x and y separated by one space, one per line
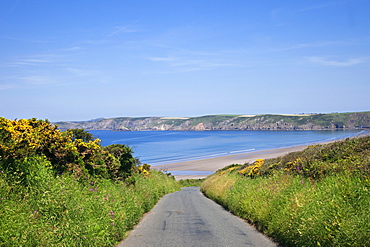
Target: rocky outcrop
359 120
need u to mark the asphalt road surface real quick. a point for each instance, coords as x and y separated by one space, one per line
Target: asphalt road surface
188 218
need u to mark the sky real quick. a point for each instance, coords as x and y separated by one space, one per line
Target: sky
65 60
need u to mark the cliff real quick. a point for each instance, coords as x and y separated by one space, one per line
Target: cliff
333 121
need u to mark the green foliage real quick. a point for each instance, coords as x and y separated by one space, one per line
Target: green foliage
124 155
73 151
228 167
81 134
351 157
190 182
65 211
64 189
316 197
32 172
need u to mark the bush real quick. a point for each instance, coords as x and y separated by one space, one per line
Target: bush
73 151
127 163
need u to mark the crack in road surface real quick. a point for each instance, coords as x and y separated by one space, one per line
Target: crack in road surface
187 218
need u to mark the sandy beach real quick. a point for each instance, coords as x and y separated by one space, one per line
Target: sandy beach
199 167
213 164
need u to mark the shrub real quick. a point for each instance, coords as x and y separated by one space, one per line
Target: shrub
124 155
73 151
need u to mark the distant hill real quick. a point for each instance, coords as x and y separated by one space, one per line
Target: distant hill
333 121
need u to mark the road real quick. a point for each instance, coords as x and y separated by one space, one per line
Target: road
188 218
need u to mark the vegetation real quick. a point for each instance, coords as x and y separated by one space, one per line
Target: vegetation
66 151
333 121
81 134
316 197
191 182
64 189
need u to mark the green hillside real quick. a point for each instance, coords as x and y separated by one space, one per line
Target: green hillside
333 121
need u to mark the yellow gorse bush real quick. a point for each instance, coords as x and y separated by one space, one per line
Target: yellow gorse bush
252 170
24 138
293 165
144 169
21 138
229 170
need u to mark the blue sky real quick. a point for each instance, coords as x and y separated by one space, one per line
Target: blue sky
84 59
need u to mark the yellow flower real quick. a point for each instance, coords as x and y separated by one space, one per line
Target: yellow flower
253 169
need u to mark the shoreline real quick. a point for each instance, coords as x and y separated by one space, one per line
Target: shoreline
213 164
199 167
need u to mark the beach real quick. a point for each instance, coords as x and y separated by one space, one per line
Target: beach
213 164
198 168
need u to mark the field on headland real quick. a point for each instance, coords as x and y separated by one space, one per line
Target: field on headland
316 197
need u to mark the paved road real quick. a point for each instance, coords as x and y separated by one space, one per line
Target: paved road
187 218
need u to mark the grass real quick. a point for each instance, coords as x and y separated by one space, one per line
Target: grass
190 182
64 189
317 197
65 211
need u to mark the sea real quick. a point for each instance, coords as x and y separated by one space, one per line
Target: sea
165 147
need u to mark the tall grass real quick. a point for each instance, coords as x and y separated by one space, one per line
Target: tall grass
64 189
317 197
40 209
190 182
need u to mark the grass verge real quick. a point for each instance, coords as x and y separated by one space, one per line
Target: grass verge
317 197
62 188
190 182
65 211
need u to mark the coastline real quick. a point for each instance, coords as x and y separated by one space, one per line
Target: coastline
198 168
